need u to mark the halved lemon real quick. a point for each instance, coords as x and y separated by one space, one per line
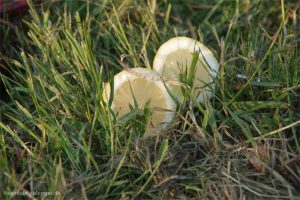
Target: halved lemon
175 56
141 85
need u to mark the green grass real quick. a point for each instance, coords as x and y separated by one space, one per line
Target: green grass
58 135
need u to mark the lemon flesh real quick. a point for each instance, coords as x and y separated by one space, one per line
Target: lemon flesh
174 59
142 86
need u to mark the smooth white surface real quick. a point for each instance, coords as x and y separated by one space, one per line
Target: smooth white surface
192 45
137 73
